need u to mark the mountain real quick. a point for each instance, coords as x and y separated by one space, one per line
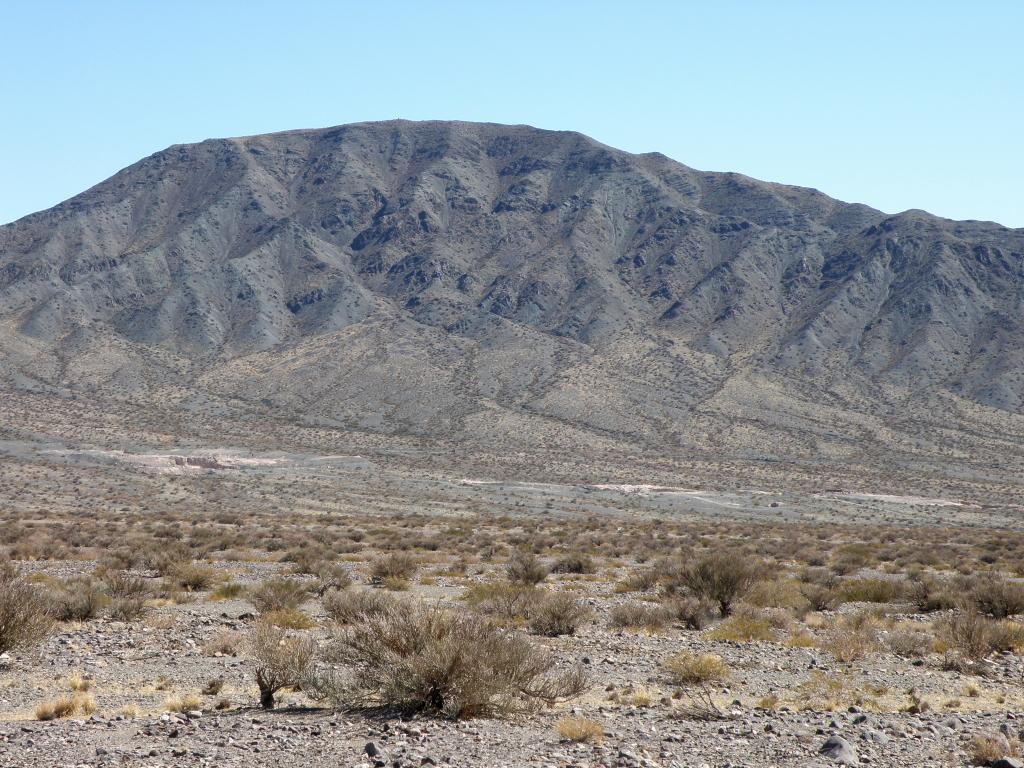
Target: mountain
514 287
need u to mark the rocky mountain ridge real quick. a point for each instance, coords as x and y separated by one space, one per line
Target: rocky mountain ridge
504 283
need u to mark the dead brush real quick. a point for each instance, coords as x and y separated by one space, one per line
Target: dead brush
185 703
395 566
556 614
970 638
66 706
987 748
721 578
850 639
281 660
750 624
224 642
78 598
279 594
580 730
349 606
687 668
639 616
525 568
692 613
509 601
909 644
452 665
25 612
997 597
189 577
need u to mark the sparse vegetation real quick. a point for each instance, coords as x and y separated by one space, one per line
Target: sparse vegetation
721 578
526 568
687 668
639 616
454 665
25 613
185 703
280 660
580 730
557 614
279 595
395 568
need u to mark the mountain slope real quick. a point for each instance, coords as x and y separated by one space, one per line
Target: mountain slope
512 285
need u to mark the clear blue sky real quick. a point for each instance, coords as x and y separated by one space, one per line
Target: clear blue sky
895 104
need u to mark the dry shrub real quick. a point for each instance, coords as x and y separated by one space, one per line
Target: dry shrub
1008 635
453 665
348 607
127 609
79 683
848 644
66 706
801 638
852 557
504 599
687 668
525 568
393 567
190 577
638 615
779 593
996 597
122 585
281 660
872 590
331 576
557 614
128 595
970 636
224 642
228 591
278 594
987 748
395 584
187 703
129 712
580 730
288 618
825 691
643 580
721 578
78 599
820 597
58 708
930 594
577 563
910 644
25 617
689 611
747 625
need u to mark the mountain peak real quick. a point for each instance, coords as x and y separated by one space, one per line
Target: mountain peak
405 276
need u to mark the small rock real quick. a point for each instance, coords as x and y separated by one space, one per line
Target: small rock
839 749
